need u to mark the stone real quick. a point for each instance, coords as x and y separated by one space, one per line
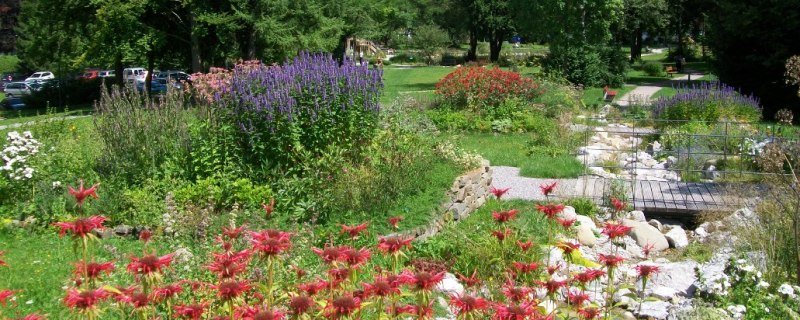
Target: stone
585 221
710 173
458 210
645 234
625 297
123 230
742 217
627 315
654 309
664 293
676 237
637 215
568 213
450 285
678 276
656 224
586 236
700 232
103 233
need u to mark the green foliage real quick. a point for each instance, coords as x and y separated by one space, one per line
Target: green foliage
65 93
653 69
583 206
429 39
589 66
8 63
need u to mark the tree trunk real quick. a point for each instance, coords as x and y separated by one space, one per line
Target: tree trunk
197 65
151 62
495 44
118 69
472 53
251 45
636 45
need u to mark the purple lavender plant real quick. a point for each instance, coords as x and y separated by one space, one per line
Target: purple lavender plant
708 101
310 103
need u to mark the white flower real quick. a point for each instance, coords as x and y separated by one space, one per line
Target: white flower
786 290
762 284
56 184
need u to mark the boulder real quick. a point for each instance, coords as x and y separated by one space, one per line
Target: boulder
123 230
636 215
676 237
586 236
450 285
740 218
678 276
656 224
654 310
664 293
701 232
645 234
585 221
568 213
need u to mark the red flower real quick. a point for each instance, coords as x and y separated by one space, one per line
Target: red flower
551 269
270 243
421 312
421 280
81 194
550 210
619 205
498 193
465 304
610 261
4 295
301 304
501 234
2 262
312 288
522 267
84 300
566 223
647 249
191 311
515 293
588 276
230 264
256 313
615 230
393 244
471 281
137 299
329 254
268 208
383 286
355 258
646 270
547 189
339 274
552 285
229 290
342 306
149 264
81 227
577 298
589 313
514 311
568 247
168 291
93 270
354 231
394 221
524 246
233 233
504 216
32 316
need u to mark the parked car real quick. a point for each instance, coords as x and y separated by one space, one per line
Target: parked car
131 74
90 74
157 85
106 74
10 77
17 89
13 103
174 75
40 76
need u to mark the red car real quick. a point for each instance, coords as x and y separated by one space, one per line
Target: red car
89 74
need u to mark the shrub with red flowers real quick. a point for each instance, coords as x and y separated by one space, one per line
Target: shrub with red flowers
478 87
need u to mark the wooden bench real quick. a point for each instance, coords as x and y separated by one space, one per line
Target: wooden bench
608 95
671 70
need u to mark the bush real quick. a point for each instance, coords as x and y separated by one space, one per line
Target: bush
430 39
481 89
653 69
588 66
404 57
709 102
300 109
59 93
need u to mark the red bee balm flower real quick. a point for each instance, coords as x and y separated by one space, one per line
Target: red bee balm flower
552 285
301 304
230 264
149 264
268 208
465 304
568 247
230 290
342 306
504 216
421 280
615 230
354 231
93 270
589 313
517 294
256 313
329 254
610 261
524 246
647 249
270 243
577 298
393 244
514 311
84 300
394 221
619 205
145 236
81 227
588 276
4 295
471 281
522 267
82 193
501 234
233 233
191 311
498 193
168 291
550 210
566 223
383 286
32 316
646 270
547 189
2 262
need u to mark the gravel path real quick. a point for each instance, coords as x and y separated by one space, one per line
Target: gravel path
528 188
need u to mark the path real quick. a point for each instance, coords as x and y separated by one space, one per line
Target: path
649 196
642 94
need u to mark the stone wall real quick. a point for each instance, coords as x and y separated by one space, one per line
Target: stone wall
468 193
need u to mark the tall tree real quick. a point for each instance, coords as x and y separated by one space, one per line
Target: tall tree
53 34
641 16
496 22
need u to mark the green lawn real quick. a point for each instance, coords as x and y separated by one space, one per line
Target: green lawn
414 81
664 92
592 95
511 150
11 116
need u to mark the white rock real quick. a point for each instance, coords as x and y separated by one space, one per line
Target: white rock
656 224
664 293
654 309
679 276
645 234
701 232
676 237
450 285
636 215
568 213
586 236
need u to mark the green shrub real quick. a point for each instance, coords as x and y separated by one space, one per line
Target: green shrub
405 57
588 66
558 98
710 102
583 206
653 69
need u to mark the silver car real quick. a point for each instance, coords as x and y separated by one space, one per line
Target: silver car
17 89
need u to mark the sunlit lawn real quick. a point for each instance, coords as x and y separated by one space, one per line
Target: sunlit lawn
414 81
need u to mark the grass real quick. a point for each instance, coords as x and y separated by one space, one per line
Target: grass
26 115
665 92
592 95
416 81
511 150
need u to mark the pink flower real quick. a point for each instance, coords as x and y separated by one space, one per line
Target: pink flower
498 193
84 300
354 231
81 227
393 244
149 264
547 189
82 193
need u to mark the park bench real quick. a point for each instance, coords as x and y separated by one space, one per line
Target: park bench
608 95
671 70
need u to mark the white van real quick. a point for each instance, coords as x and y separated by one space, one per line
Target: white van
131 74
40 76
